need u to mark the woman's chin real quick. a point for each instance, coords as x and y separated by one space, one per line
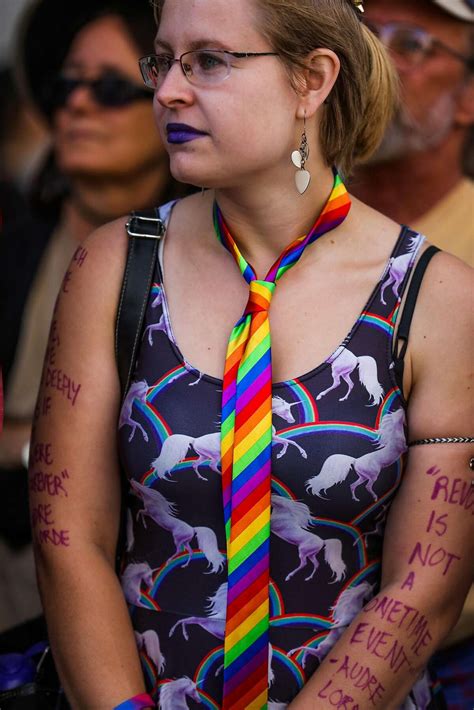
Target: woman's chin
195 175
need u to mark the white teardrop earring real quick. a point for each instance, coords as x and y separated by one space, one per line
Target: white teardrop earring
299 158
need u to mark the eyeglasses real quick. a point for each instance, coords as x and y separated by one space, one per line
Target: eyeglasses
201 67
109 90
412 45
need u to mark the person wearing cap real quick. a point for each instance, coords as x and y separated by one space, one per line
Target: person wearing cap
423 176
423 172
106 160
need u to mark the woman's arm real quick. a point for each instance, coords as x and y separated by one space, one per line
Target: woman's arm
74 483
429 539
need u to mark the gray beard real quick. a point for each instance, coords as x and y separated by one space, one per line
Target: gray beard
406 135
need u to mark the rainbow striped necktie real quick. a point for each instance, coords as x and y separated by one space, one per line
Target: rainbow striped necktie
246 444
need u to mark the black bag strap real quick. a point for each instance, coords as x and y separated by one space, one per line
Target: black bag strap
408 310
144 229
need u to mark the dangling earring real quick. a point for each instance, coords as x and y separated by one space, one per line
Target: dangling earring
299 158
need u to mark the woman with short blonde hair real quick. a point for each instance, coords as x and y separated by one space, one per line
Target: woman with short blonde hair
286 546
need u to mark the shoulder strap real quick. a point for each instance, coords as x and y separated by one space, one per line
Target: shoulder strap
409 308
144 229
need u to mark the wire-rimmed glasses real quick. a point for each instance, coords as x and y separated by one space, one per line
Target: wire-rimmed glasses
201 67
411 45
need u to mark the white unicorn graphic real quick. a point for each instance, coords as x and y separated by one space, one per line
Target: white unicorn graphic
271 673
138 390
173 694
163 513
397 269
208 450
345 610
282 409
133 576
150 643
379 521
276 439
130 538
156 327
291 521
158 300
214 622
343 363
390 445
175 448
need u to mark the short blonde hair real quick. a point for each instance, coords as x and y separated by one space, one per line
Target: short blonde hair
365 95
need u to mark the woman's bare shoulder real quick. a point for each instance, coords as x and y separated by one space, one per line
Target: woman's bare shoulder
107 245
445 301
97 267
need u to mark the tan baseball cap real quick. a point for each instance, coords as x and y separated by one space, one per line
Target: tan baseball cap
462 9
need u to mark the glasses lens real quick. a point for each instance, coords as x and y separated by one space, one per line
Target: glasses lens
408 44
154 69
61 90
206 67
111 90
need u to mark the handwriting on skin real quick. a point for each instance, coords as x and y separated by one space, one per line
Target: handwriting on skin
43 453
53 485
337 698
50 483
54 343
47 534
51 536
456 492
361 676
401 616
60 381
432 556
381 644
80 255
42 514
43 406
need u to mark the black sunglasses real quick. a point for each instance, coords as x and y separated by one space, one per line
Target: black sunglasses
109 90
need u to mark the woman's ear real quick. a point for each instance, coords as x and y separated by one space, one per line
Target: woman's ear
317 80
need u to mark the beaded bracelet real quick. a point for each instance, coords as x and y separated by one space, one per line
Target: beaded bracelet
138 702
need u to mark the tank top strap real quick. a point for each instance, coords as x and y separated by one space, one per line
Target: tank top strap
389 292
157 285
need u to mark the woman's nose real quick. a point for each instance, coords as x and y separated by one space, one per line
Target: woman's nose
175 88
80 97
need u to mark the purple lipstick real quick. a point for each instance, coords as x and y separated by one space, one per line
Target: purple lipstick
182 133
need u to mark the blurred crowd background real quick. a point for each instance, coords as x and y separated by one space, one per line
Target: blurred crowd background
78 147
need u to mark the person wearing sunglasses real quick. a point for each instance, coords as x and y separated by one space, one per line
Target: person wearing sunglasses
425 167
299 528
106 159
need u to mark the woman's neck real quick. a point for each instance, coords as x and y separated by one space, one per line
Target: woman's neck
264 220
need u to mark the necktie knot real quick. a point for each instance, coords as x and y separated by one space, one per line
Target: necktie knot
260 296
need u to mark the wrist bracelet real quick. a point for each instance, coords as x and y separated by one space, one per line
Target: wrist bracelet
138 702
444 440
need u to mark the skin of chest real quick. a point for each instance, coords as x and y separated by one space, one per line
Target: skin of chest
314 307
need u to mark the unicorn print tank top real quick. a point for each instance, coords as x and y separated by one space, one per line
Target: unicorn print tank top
337 461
